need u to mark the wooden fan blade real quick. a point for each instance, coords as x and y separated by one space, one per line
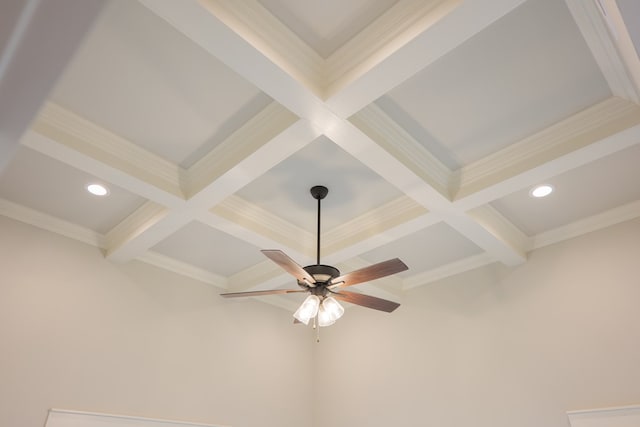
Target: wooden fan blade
366 301
375 271
288 265
258 293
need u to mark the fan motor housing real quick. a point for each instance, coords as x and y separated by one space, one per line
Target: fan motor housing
322 273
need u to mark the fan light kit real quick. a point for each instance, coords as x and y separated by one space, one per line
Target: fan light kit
325 283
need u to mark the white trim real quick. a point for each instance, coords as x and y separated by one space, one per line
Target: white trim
594 28
182 268
253 22
251 216
587 127
388 33
376 221
586 225
447 270
67 418
120 239
376 124
65 127
255 133
261 276
50 223
492 220
623 416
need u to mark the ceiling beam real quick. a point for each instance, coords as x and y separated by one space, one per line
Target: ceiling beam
376 141
616 58
245 155
441 30
35 32
601 130
301 114
235 44
71 139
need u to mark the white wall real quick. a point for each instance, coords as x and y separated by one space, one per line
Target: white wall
495 347
78 332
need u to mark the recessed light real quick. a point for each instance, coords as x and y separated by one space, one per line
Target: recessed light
97 189
541 191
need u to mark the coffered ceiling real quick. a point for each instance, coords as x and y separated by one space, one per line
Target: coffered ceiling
429 122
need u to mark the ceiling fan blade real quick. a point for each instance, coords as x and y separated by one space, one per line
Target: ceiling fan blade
258 293
289 265
366 301
375 271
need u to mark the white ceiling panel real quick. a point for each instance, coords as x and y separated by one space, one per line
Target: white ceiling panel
426 249
143 80
353 188
327 25
202 246
588 190
39 182
463 109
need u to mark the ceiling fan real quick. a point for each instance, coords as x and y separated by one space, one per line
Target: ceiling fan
325 284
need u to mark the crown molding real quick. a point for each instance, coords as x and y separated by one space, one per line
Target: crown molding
50 223
501 227
580 130
255 24
448 270
586 225
65 418
594 28
264 275
133 226
623 416
261 221
262 128
183 269
385 132
89 139
380 39
371 223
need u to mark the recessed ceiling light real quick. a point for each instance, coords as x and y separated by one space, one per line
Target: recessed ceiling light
97 189
541 191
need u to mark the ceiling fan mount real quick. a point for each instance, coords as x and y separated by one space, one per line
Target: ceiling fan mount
319 192
325 283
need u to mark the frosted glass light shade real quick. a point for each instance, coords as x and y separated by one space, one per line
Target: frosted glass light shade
308 309
330 311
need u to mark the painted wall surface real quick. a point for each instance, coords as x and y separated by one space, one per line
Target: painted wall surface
495 347
79 332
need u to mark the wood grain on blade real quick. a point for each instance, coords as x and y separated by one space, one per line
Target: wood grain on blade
258 293
366 301
367 274
289 265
